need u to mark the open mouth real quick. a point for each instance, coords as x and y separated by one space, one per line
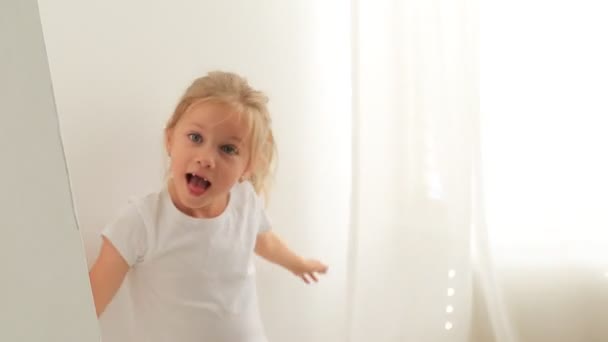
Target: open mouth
197 185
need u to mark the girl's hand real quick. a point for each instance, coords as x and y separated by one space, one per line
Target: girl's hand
309 269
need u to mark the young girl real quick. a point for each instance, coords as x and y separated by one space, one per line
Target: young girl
188 249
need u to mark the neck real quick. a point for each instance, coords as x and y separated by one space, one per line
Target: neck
212 208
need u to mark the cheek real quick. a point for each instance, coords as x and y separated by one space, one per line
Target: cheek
232 167
176 162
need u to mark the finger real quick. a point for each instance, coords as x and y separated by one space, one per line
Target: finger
303 276
307 275
313 276
321 268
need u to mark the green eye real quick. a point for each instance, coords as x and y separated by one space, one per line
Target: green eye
230 149
195 138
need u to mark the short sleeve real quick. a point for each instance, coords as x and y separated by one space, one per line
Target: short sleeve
264 223
128 235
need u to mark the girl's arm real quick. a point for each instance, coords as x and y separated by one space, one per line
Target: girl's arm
271 248
107 275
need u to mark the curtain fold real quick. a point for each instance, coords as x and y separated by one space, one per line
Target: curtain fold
415 139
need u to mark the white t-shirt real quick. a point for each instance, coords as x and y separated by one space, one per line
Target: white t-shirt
192 279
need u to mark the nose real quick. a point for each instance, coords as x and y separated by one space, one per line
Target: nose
206 159
207 162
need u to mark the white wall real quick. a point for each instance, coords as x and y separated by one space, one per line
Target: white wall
543 93
557 303
118 69
44 288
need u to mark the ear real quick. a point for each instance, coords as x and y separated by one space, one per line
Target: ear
246 175
248 172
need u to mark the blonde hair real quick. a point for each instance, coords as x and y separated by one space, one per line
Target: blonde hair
234 91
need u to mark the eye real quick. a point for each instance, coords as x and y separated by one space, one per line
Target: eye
195 138
229 149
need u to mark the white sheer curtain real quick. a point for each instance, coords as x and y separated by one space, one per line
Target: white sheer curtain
416 142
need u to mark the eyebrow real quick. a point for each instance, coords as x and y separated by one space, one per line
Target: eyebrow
197 125
237 139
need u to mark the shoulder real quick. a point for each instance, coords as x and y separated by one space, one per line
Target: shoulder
244 190
245 194
129 232
251 206
147 205
137 214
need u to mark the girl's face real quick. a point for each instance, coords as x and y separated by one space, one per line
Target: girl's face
209 153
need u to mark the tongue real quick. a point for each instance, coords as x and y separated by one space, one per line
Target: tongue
198 183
